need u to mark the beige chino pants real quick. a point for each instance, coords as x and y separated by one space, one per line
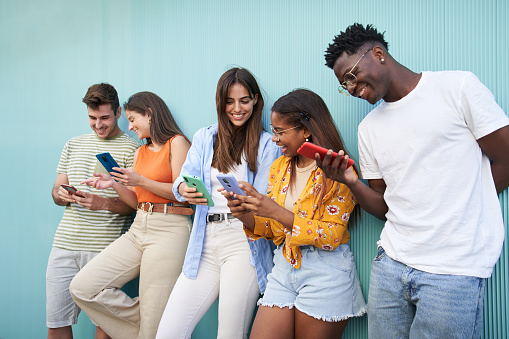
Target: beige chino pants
153 249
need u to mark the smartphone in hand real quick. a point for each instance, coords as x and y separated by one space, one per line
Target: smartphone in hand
107 161
230 183
308 149
72 190
194 181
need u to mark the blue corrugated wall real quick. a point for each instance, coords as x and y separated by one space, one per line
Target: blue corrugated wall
51 51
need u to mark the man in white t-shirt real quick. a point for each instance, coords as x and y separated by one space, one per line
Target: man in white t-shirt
435 153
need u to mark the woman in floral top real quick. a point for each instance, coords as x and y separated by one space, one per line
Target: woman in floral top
314 283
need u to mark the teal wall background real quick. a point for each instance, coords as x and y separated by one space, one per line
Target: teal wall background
51 51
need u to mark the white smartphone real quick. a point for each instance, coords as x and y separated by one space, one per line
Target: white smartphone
230 183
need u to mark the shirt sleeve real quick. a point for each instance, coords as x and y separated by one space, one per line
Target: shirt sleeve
192 165
270 152
481 112
129 158
63 162
262 229
368 164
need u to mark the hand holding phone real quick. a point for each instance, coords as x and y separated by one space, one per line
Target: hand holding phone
194 181
230 183
107 161
309 149
72 190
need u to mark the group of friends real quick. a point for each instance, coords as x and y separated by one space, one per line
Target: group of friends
434 154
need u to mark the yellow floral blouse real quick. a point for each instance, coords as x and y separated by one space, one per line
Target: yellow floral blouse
323 225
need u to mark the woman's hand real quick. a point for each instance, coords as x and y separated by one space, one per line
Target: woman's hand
127 176
192 197
233 204
257 203
99 181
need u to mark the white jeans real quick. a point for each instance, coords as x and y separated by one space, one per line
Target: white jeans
154 248
224 272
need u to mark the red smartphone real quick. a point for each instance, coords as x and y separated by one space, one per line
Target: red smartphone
72 190
308 149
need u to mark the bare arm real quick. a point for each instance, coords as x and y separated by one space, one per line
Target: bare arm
60 196
129 177
371 197
90 201
258 204
496 146
103 181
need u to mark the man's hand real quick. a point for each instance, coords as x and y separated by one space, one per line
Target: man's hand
65 196
335 171
91 201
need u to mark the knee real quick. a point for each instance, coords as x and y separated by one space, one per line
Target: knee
81 289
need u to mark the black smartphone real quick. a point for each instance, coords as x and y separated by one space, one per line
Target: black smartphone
71 189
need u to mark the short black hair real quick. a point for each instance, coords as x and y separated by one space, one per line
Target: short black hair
349 41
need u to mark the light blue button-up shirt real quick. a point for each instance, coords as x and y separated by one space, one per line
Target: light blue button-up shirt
199 163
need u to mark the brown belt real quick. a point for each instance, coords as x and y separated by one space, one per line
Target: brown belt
170 207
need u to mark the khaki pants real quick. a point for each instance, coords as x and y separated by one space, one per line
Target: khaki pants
153 249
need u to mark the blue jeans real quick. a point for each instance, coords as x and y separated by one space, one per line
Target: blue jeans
407 303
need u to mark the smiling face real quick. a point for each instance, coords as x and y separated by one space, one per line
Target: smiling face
239 105
289 138
371 80
103 121
139 124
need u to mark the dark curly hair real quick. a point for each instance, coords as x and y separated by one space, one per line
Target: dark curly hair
349 41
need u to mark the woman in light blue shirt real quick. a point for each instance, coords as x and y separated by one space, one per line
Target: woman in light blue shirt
220 261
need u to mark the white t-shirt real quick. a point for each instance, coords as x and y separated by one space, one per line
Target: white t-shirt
444 216
220 203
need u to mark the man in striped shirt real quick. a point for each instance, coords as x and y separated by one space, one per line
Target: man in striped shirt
92 218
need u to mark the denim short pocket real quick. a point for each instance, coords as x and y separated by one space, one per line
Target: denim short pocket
381 254
339 259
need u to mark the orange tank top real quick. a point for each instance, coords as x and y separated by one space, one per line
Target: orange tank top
154 166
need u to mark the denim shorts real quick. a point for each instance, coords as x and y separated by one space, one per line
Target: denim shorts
325 287
405 302
63 265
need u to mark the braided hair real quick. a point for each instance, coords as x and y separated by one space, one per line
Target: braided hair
349 41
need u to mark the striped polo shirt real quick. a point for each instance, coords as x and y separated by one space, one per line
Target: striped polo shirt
81 229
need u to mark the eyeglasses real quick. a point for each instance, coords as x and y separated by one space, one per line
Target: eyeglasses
278 134
350 79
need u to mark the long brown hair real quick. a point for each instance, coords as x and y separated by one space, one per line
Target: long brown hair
304 108
162 127
231 143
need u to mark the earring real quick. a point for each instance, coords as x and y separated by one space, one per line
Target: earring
307 139
382 60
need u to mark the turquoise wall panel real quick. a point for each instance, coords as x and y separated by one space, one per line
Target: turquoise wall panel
51 51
